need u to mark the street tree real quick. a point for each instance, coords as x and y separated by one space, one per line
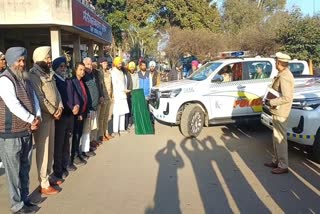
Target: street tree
115 13
186 14
300 37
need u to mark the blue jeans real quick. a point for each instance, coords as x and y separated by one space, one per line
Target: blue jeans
16 156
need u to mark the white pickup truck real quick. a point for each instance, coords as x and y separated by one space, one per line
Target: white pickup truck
304 118
219 92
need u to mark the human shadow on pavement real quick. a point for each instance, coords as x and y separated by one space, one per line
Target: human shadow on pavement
166 198
295 192
36 196
222 188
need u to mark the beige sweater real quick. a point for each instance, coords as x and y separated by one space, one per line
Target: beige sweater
46 90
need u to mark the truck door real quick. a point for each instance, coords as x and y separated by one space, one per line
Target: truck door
256 78
225 94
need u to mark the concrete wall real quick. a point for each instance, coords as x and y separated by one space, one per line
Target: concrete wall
36 12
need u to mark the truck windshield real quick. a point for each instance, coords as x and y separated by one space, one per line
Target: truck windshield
204 71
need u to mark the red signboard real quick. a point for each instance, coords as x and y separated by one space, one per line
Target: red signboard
88 21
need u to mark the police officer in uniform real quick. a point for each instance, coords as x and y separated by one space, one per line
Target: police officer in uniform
280 108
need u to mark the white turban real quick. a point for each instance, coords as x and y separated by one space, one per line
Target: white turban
152 64
40 53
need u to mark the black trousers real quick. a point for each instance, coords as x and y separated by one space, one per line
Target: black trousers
62 138
129 117
77 133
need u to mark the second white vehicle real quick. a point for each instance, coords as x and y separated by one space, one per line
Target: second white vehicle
304 118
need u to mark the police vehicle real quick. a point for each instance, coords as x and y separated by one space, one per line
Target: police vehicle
304 119
219 92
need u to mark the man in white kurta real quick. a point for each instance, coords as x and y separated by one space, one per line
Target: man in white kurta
120 96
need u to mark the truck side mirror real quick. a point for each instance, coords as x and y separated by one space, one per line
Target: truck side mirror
217 78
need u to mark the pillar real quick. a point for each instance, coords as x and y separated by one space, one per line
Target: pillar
55 35
29 52
2 48
90 49
76 49
101 52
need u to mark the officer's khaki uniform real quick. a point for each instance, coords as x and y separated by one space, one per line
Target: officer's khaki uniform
280 109
107 106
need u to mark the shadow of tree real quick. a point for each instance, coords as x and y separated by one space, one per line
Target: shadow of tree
166 198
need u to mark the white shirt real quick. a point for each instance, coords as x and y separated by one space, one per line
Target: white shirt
8 94
118 83
120 97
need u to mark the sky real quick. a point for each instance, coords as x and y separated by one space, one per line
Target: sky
308 7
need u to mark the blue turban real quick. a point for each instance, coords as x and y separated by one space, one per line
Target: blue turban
58 61
14 53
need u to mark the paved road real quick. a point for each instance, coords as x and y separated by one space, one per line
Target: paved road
221 172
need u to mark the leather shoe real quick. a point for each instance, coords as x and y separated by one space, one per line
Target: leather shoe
93 148
65 174
89 154
109 137
94 143
49 191
25 210
56 182
79 161
71 168
29 204
279 170
83 157
271 165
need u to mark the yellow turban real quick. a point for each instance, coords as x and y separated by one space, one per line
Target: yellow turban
132 65
117 61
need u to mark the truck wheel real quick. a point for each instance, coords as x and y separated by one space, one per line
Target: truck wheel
192 121
316 148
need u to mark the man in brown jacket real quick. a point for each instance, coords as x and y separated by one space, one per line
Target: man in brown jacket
51 106
280 108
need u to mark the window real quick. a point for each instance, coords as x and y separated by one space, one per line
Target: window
231 72
257 69
296 68
204 71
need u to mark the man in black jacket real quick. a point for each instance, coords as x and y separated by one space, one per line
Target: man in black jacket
64 126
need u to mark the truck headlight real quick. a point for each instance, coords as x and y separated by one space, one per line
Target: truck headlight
170 93
306 104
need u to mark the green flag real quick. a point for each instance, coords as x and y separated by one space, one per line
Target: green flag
141 114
